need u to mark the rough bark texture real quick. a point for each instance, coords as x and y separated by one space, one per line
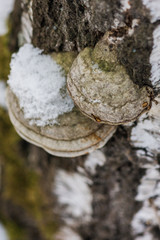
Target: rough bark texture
73 25
63 25
114 188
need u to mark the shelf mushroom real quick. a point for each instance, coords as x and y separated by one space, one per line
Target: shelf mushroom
102 89
42 111
74 135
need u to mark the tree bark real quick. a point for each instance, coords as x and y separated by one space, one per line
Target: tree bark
110 202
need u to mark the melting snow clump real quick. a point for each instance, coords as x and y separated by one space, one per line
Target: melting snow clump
73 192
94 159
39 84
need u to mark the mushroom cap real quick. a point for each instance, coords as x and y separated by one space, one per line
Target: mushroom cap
103 90
74 135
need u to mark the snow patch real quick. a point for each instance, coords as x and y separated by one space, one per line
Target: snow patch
146 134
125 5
2 94
67 234
3 233
154 7
148 185
40 85
155 57
146 236
73 192
94 159
135 23
86 2
149 215
6 7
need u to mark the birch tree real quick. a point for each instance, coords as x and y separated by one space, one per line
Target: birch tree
113 192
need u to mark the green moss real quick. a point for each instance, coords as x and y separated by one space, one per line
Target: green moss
65 59
105 66
87 53
5 57
103 62
15 232
22 185
8 138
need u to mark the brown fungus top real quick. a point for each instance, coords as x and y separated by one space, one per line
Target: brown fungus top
102 89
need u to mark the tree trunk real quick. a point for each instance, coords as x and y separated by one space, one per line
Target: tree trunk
112 193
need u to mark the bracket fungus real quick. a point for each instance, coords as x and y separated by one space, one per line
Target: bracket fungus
74 135
37 89
102 89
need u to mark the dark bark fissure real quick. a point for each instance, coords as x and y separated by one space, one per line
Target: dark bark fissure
71 25
114 189
135 50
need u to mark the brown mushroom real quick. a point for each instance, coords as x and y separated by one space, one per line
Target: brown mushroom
41 110
103 90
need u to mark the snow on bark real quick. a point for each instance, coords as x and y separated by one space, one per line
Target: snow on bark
135 23
148 216
5 9
125 5
145 136
154 7
155 58
94 159
74 194
37 81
